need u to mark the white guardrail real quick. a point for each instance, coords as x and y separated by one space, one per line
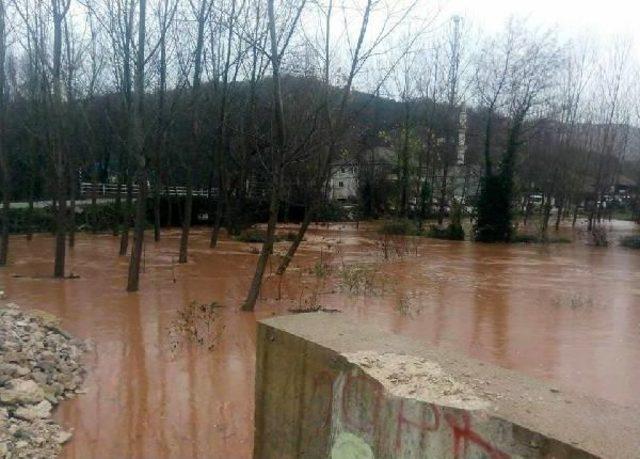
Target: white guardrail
111 189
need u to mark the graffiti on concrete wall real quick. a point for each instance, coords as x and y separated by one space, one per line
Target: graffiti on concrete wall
366 421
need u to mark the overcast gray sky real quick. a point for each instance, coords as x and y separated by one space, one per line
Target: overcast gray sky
602 17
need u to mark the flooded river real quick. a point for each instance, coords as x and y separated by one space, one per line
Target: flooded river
569 313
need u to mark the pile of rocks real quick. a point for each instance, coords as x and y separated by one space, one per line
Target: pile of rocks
39 366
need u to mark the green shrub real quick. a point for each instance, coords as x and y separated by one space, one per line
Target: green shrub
600 237
556 240
332 211
455 232
494 210
631 242
525 238
533 239
452 232
398 228
426 196
101 217
37 220
252 235
260 236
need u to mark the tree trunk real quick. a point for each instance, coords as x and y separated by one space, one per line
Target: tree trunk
186 222
156 210
277 167
30 215
215 232
59 12
559 216
139 148
527 209
443 193
6 203
404 183
118 221
61 239
267 248
169 208
126 218
546 215
72 213
600 208
284 264
4 163
94 200
133 280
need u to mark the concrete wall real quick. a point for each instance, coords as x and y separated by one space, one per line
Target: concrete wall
327 387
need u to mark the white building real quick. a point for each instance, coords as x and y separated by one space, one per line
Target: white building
343 185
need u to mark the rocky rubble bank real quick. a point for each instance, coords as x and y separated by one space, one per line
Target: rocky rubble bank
39 367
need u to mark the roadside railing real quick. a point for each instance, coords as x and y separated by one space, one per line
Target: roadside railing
87 189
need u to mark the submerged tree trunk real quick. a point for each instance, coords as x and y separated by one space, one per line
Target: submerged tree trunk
30 216
527 209
156 210
169 207
139 149
404 182
6 203
72 214
560 208
61 239
4 162
94 200
337 125
59 12
126 218
133 279
284 264
267 248
186 222
217 224
443 194
546 215
118 221
277 166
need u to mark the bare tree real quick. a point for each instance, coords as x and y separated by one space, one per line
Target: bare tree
613 81
452 115
532 69
336 117
201 11
138 144
4 161
279 40
60 8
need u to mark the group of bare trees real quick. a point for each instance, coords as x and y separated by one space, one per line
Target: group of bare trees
543 116
256 100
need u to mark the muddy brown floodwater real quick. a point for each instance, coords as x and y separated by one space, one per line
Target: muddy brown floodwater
566 312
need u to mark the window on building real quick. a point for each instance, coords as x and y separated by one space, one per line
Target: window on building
340 184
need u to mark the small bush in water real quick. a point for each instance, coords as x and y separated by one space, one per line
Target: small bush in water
252 235
398 228
600 236
255 235
631 242
451 232
533 239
